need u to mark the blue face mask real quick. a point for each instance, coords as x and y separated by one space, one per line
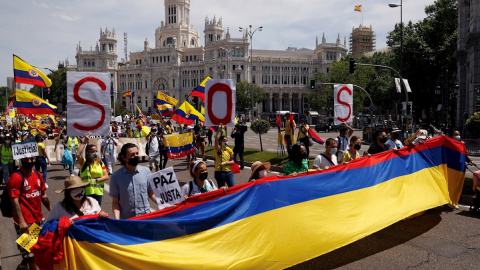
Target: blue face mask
458 138
333 151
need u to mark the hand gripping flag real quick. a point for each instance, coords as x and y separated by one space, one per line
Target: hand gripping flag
179 145
199 91
27 74
318 212
187 114
140 113
28 103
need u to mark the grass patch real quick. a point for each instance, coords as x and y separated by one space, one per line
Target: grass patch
252 155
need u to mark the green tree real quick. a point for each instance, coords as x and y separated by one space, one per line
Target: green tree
428 53
120 110
260 127
244 96
58 90
4 97
473 124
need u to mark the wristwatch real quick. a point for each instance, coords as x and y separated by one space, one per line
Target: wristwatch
96 180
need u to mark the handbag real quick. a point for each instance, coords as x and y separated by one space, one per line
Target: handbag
67 158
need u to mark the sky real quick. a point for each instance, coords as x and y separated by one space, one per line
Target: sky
44 32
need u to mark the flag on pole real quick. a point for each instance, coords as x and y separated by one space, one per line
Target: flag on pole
199 91
28 103
358 8
127 94
165 99
140 113
165 109
187 114
315 137
10 106
28 74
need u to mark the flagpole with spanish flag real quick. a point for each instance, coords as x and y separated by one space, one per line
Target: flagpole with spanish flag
359 9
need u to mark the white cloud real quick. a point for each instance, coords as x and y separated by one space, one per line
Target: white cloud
65 17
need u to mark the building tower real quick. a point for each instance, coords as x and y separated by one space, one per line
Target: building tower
362 40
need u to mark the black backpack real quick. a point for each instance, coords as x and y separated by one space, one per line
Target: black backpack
5 203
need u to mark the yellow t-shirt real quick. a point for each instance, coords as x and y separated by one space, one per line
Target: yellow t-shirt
227 155
41 148
303 132
347 156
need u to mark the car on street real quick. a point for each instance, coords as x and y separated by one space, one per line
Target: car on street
323 127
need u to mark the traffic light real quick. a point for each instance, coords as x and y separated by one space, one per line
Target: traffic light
351 67
312 84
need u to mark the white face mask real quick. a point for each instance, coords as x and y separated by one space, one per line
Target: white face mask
262 173
77 193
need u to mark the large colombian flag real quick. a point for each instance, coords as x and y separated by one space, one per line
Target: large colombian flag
179 145
199 91
275 222
27 74
187 114
28 103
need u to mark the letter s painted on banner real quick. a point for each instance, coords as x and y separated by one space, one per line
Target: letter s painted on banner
220 87
345 88
78 99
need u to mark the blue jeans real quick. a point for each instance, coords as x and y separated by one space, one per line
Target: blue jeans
7 170
72 166
99 198
224 177
42 162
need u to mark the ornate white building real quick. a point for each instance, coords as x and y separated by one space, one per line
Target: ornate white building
177 62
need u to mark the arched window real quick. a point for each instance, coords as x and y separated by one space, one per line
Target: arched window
169 40
93 64
85 64
89 64
192 42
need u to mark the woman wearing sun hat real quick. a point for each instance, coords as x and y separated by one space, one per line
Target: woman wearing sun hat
76 203
259 170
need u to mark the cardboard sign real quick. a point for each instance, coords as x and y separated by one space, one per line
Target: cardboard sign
27 241
220 97
343 103
166 188
88 101
24 149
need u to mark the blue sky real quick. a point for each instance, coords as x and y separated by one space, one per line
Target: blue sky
44 32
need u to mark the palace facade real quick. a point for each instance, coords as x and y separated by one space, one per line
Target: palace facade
177 61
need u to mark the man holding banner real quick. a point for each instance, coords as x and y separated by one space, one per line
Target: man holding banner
27 194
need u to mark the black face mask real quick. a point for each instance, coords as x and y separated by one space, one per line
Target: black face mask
357 147
203 176
28 165
383 139
133 161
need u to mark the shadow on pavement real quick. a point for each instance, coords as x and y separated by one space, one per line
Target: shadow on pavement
394 235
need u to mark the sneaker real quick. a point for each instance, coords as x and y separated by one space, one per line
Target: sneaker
72 174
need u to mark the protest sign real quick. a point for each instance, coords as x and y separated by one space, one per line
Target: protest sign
27 241
88 103
220 102
165 187
24 149
343 103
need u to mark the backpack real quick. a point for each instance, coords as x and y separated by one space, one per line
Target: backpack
5 203
190 185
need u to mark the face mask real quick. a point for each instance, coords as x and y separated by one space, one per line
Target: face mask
333 151
134 161
28 165
94 155
225 143
262 173
203 176
304 154
154 132
457 137
77 193
383 139
357 147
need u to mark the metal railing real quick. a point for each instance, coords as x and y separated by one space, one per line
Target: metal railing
473 147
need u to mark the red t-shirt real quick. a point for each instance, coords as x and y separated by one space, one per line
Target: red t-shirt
31 200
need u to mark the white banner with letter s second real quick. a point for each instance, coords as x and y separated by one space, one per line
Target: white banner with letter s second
88 101
343 103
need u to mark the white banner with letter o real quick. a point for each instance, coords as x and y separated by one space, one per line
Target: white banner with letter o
220 97
343 103
88 101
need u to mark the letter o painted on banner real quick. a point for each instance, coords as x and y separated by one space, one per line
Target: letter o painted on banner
77 98
216 88
345 88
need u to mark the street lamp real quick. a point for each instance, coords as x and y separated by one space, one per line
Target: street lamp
228 50
250 33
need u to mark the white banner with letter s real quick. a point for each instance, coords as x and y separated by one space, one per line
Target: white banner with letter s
220 97
88 101
165 187
343 103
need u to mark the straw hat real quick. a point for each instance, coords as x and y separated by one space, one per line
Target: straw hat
257 165
422 134
73 182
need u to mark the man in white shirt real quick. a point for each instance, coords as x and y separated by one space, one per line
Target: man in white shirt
346 132
327 158
109 152
394 142
153 146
